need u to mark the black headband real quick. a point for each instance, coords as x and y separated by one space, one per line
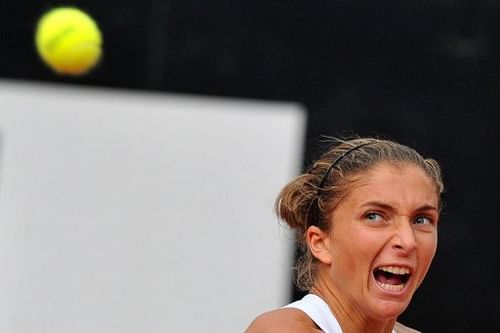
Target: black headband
327 172
337 160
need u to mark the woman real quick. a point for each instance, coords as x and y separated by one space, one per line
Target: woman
366 216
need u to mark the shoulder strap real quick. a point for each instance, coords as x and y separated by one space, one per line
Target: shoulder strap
317 309
319 312
400 328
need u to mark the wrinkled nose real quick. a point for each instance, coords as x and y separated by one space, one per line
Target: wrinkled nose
404 238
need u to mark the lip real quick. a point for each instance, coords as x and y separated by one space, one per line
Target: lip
389 292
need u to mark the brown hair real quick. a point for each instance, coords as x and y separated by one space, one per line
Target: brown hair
310 198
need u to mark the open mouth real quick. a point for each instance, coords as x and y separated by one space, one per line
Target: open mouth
391 277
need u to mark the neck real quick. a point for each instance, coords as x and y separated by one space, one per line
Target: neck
350 316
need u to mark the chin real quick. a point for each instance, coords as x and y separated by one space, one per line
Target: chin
386 310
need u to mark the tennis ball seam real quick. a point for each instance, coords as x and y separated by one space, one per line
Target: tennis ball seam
68 40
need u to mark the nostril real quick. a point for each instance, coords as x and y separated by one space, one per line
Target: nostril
404 242
398 247
404 248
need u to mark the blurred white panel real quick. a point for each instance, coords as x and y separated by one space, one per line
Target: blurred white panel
123 211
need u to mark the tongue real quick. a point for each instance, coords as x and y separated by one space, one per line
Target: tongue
388 278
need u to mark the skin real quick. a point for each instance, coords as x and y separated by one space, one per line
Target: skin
376 225
388 218
283 321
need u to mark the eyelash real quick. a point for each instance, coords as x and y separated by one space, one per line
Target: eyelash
369 216
429 220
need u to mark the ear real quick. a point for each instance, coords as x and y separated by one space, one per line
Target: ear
318 242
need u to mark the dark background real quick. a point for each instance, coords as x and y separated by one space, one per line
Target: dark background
425 73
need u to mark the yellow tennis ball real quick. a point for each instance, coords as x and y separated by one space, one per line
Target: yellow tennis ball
68 40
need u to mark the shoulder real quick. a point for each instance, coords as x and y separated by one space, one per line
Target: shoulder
281 321
400 328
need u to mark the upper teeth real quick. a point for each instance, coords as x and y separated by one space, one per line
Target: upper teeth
395 270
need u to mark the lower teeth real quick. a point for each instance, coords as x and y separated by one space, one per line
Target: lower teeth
392 286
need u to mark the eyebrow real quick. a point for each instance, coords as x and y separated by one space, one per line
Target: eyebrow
387 206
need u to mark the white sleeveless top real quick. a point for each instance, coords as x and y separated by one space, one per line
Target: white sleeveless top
319 312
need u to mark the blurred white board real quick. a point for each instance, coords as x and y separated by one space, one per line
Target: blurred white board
124 211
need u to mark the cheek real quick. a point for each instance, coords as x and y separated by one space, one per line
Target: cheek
427 245
354 251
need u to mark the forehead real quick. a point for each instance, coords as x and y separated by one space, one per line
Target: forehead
395 183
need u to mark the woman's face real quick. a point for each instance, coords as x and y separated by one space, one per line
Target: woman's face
383 239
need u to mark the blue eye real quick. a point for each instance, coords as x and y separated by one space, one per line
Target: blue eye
373 217
422 220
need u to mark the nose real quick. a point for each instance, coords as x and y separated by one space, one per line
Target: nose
404 238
